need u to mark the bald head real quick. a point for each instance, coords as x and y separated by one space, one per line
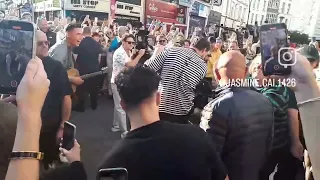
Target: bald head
231 65
42 44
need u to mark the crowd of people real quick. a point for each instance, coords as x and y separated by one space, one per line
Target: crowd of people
241 133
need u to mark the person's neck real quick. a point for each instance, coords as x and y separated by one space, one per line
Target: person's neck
68 43
143 116
226 81
126 50
87 35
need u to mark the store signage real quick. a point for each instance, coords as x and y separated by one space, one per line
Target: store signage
199 9
186 3
88 5
181 12
50 5
161 9
128 9
128 18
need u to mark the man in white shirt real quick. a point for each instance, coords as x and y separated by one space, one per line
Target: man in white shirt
121 59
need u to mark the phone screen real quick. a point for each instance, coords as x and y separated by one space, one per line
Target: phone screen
69 133
16 49
276 58
113 174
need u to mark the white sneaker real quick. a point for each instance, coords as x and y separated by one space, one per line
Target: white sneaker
115 129
124 134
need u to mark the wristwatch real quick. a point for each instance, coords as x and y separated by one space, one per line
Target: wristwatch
26 155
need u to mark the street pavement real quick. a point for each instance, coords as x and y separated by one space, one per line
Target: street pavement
94 134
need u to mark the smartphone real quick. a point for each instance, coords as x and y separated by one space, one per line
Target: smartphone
275 50
69 134
17 47
113 174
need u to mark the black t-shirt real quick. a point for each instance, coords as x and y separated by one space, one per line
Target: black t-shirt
59 87
166 151
52 38
88 55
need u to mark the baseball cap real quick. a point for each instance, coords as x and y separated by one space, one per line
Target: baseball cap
310 52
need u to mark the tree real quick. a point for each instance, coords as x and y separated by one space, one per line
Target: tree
299 38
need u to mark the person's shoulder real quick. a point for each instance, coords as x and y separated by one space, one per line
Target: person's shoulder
49 62
59 45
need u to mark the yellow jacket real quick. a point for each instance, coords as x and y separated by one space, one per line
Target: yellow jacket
215 55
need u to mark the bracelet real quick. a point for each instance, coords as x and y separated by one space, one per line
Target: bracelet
26 155
309 100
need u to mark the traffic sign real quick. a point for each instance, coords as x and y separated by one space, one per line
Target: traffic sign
216 2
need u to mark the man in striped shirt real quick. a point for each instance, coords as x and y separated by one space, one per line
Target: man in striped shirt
181 70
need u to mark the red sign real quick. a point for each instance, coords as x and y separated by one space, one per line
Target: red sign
161 9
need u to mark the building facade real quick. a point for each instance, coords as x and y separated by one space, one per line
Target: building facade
306 19
129 11
234 13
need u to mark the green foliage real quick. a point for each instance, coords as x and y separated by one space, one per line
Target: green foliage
299 38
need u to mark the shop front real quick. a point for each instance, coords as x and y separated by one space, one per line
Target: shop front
198 17
126 12
167 13
50 9
78 9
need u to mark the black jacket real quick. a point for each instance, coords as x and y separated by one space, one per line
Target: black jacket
239 121
73 171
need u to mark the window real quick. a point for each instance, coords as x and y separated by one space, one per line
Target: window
256 19
289 6
264 5
240 12
135 2
286 21
244 17
253 5
251 18
262 19
258 4
283 6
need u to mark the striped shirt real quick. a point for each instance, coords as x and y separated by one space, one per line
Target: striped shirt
181 70
279 97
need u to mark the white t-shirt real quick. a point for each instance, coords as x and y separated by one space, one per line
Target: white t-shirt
120 58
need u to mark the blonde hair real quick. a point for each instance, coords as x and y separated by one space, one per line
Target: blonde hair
254 63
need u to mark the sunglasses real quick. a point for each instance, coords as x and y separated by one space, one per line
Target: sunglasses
40 43
162 41
131 42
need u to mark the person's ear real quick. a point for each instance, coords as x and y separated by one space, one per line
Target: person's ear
123 105
158 95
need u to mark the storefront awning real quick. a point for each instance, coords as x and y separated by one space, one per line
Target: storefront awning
168 21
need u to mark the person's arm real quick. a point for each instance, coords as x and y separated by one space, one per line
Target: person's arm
8 63
66 91
157 63
133 62
216 127
294 126
31 94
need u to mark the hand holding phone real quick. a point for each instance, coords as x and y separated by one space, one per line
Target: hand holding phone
17 48
69 134
277 58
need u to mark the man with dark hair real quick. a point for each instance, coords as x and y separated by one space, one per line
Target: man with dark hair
88 57
181 71
122 58
156 149
62 51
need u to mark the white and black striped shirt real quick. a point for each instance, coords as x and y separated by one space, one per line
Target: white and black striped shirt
181 70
